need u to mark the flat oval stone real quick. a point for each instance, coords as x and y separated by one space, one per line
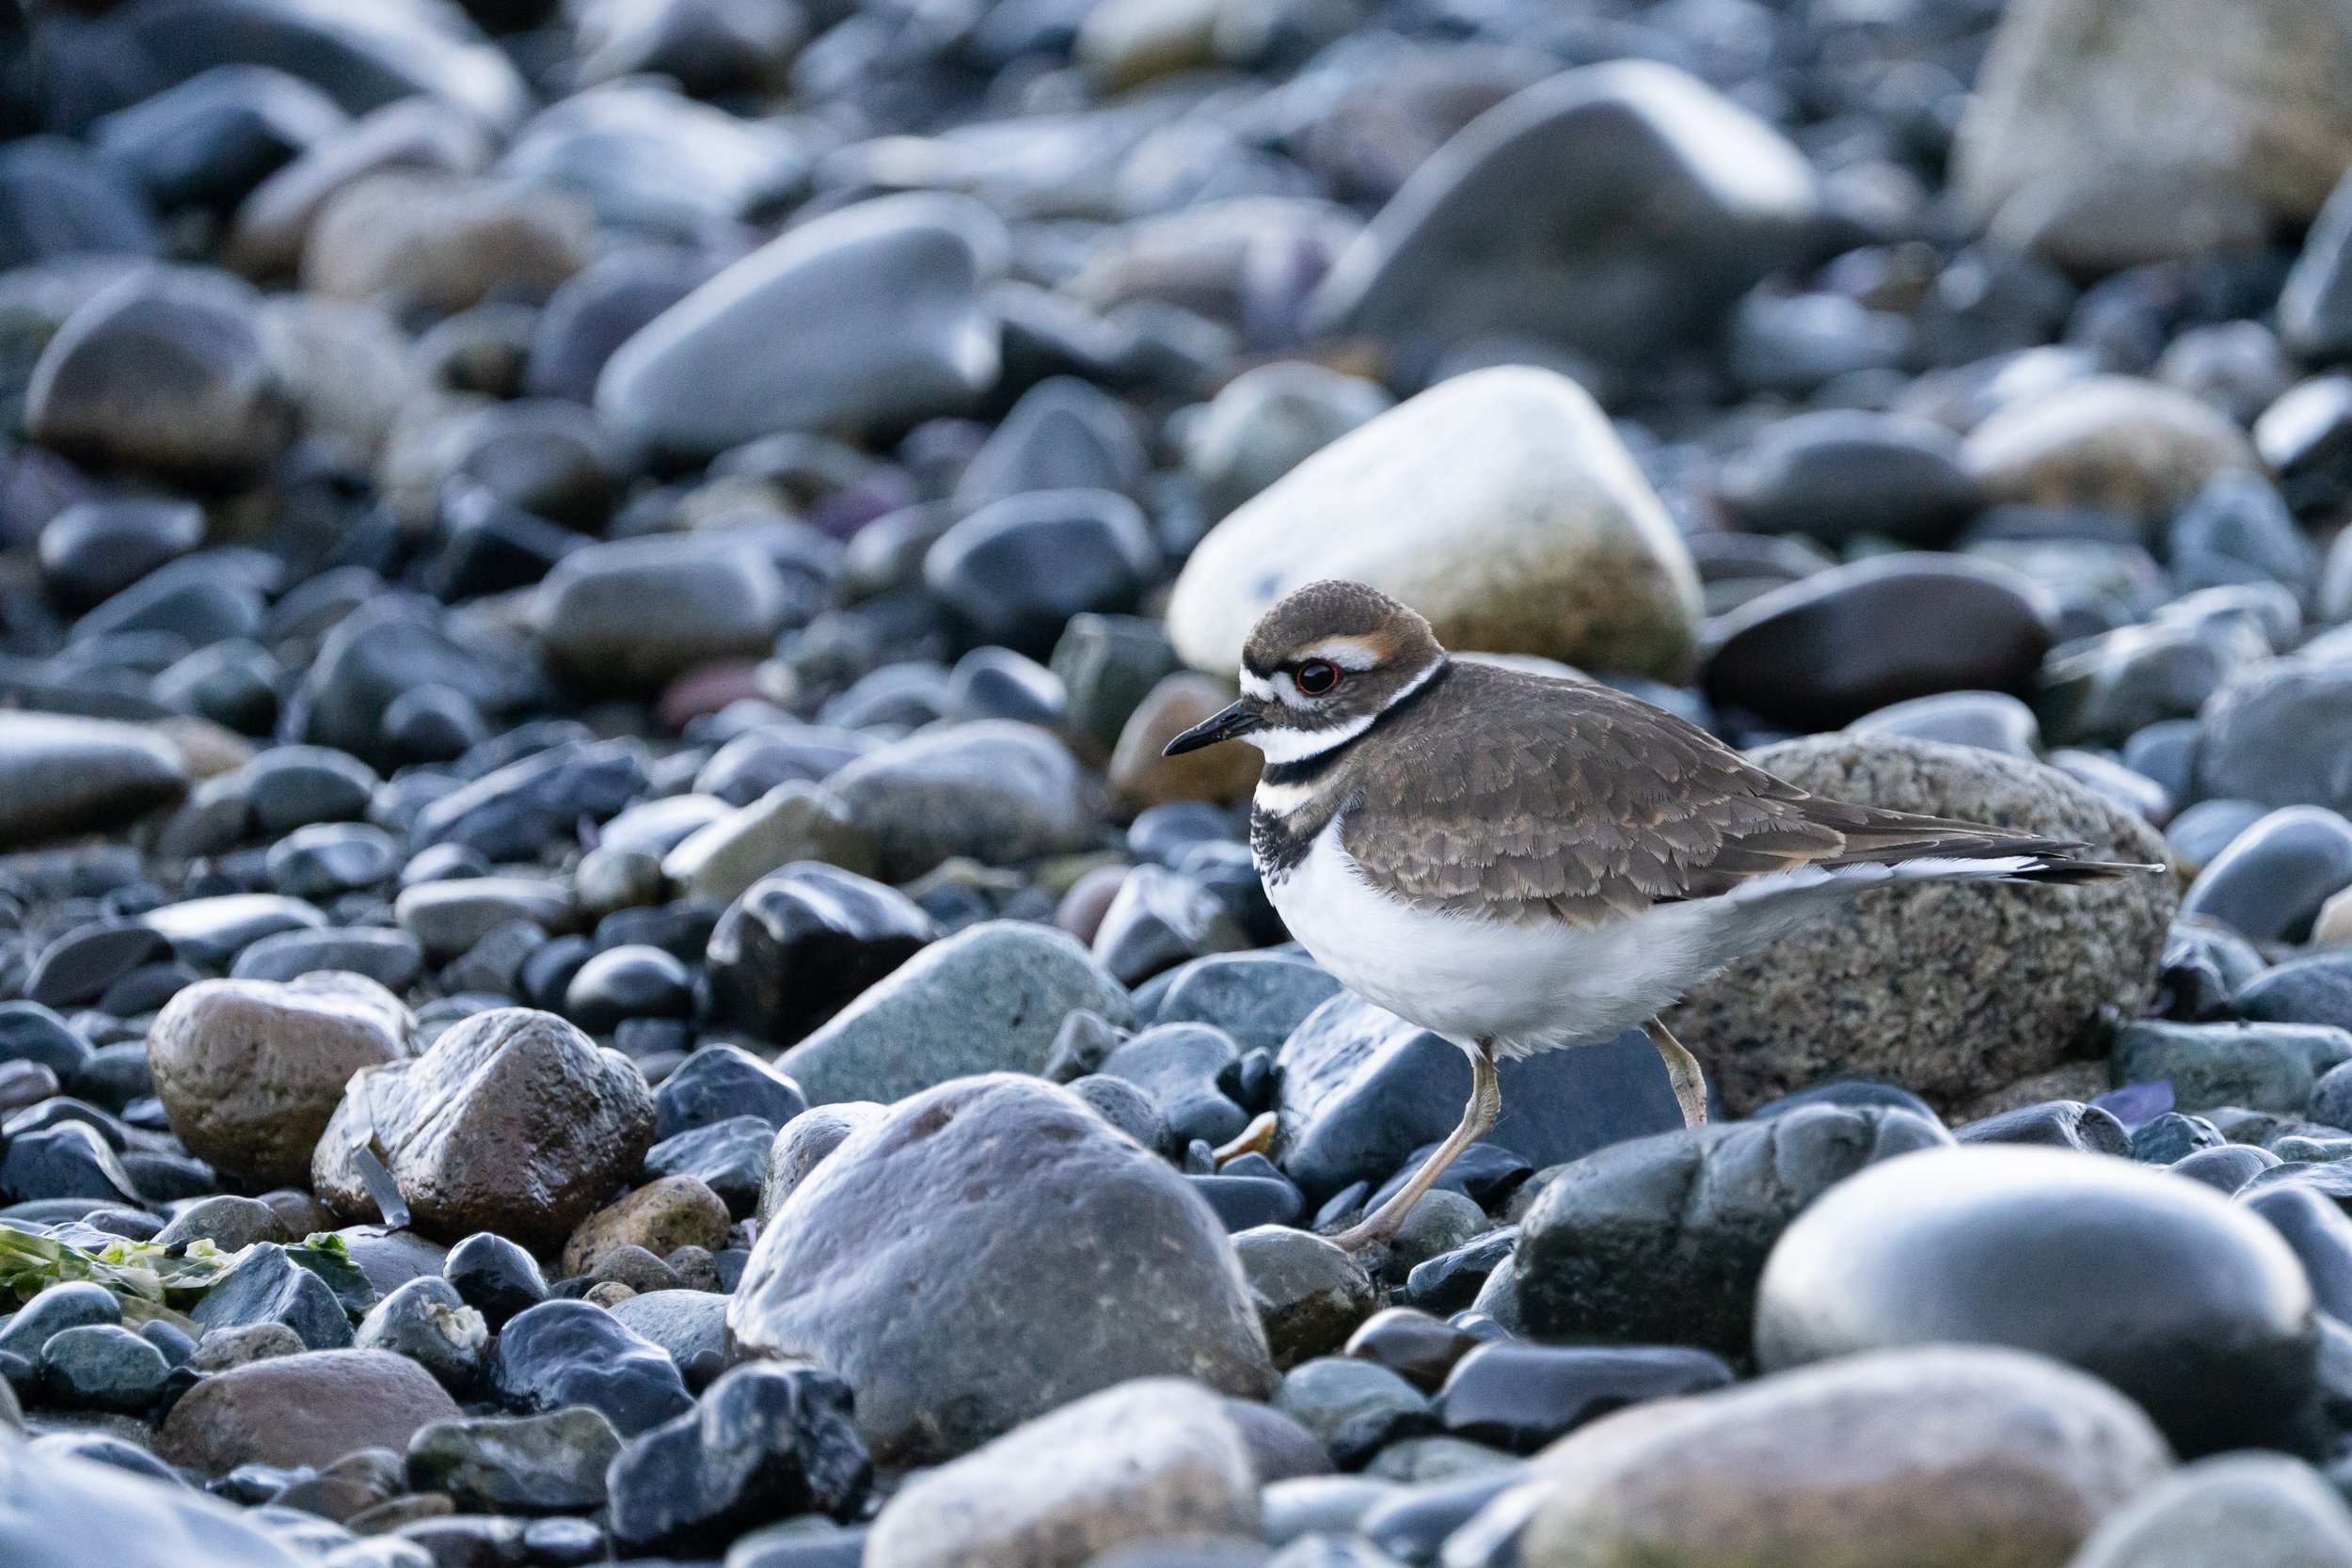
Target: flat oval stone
94 549
61 775
884 298
1945 1454
627 617
392 958
1602 208
1019 567
2272 879
1838 473
2189 1304
1825 651
77 968
995 790
1521 1397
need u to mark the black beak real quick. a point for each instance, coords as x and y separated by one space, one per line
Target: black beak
1226 723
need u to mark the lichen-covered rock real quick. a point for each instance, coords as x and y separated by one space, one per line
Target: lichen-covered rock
661 1216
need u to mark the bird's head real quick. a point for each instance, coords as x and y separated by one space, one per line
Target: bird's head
1318 668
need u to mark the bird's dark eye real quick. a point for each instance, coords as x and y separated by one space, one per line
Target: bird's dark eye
1317 676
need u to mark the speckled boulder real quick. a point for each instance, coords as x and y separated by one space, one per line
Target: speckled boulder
1955 990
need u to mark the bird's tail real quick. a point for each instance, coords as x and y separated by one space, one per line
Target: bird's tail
1930 846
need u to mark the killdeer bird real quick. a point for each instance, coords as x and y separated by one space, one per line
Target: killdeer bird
1520 863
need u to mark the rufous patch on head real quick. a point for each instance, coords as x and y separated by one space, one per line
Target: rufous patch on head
1358 651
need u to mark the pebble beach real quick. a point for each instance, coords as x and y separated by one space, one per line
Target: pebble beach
600 962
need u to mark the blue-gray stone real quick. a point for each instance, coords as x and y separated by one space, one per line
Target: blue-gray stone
2271 879
766 1441
328 858
101 1367
564 1352
268 1286
57 1307
392 958
729 1157
1362 1089
1662 1241
208 933
289 786
721 1081
1258 998
2262 1067
513 813
989 999
1177 1065
65 1161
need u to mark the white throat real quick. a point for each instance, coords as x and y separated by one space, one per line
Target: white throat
1287 745
1298 745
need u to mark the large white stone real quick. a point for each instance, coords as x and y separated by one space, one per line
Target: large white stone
1501 504
2107 132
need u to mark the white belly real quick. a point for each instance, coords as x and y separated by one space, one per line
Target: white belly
1526 988
1535 988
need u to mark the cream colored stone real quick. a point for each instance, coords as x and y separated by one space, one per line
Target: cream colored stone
1154 1457
2113 443
1945 1457
2107 132
794 821
1501 504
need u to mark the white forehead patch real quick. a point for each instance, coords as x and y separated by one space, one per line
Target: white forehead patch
1259 687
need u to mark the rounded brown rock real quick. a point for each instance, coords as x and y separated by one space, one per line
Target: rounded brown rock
512 1121
249 1071
659 1217
308 1409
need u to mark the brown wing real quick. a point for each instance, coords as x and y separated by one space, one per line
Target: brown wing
1528 799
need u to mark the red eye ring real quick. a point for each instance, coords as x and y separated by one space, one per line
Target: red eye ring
1316 676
